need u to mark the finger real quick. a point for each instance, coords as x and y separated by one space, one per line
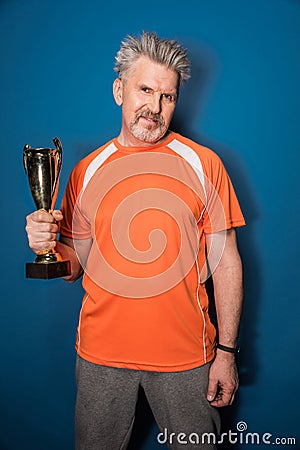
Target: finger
37 247
234 394
40 216
57 214
232 388
212 389
47 227
225 396
41 237
223 399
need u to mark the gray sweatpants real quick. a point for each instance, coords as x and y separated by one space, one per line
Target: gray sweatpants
106 402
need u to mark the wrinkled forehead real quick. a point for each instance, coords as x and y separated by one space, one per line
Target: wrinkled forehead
153 74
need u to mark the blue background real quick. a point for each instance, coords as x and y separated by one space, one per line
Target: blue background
243 101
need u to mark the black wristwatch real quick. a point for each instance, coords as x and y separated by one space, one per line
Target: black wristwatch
228 349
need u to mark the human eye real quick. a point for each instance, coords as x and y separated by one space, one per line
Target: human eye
145 89
169 97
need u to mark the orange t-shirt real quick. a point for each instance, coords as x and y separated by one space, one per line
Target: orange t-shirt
145 212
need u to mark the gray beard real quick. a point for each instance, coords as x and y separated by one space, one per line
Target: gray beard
144 134
147 135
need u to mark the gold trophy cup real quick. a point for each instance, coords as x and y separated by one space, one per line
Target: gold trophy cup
42 167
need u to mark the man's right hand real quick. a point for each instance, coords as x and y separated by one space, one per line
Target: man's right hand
42 229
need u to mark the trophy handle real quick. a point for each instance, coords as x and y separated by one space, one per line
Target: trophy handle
58 146
26 147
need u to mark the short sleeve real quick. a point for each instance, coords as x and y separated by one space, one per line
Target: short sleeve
74 224
222 210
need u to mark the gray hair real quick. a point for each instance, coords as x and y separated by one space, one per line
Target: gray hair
163 51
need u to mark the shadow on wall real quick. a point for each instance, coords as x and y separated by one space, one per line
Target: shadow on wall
191 101
203 65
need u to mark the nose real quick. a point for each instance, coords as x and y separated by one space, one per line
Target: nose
155 103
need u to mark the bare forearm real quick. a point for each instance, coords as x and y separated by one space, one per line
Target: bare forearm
223 376
68 253
228 290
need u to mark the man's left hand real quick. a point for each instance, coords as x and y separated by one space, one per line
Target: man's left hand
223 380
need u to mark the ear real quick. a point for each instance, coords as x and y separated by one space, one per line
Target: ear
118 91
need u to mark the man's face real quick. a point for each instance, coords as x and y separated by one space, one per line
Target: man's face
148 98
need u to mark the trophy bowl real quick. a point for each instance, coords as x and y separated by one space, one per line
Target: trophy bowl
42 167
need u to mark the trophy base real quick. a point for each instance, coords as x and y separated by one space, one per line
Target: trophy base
47 271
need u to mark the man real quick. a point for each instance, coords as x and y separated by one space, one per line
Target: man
140 216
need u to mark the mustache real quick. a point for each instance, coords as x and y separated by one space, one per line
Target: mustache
146 113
